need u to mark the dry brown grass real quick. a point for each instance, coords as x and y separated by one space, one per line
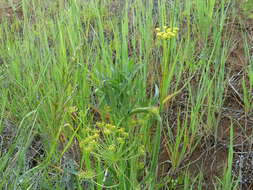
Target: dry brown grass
10 9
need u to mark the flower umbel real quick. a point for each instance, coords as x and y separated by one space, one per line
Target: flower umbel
166 33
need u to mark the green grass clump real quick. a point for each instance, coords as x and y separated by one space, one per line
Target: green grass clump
91 92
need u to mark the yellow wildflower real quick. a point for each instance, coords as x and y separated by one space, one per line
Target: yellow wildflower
142 150
111 127
167 32
120 140
112 148
95 136
100 124
89 174
107 131
88 149
158 29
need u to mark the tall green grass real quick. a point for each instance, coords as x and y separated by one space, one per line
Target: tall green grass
77 70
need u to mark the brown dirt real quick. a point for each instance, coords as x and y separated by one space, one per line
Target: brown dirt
10 10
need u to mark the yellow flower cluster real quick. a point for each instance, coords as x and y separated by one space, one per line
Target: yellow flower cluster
166 33
112 148
89 143
142 150
142 153
88 174
109 129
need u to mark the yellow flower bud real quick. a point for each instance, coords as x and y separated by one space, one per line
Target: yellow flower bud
142 150
159 34
164 36
121 130
112 148
89 174
107 131
100 124
168 30
112 127
88 149
120 140
169 33
158 29
96 135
